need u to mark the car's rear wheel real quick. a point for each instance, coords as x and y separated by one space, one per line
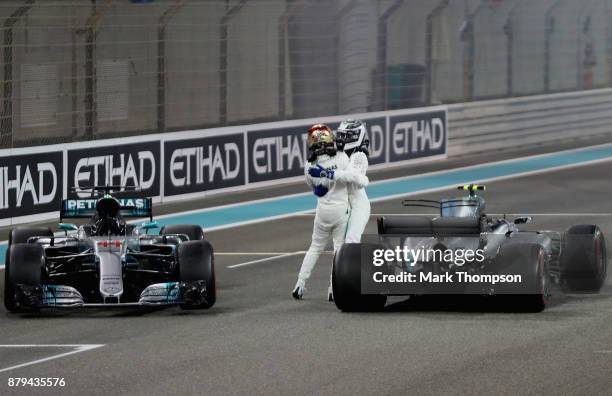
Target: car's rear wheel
193 232
346 280
24 265
539 279
529 261
583 259
197 264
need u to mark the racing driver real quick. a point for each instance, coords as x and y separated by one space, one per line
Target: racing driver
352 138
332 204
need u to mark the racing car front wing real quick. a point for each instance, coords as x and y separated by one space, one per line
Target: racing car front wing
157 294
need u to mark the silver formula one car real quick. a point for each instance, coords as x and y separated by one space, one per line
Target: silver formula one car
570 261
108 262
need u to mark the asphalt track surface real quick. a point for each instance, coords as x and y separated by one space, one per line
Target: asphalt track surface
258 340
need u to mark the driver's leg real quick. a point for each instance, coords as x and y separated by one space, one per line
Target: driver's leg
338 235
320 235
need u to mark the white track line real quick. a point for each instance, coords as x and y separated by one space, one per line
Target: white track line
277 256
265 259
254 253
78 349
264 253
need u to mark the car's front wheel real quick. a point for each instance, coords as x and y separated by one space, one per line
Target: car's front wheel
197 264
24 265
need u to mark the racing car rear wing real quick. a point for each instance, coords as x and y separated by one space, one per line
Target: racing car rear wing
86 208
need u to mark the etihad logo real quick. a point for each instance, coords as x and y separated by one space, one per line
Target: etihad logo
124 170
28 181
418 136
202 164
279 153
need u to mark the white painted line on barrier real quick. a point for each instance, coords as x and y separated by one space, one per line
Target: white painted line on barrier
265 259
78 349
604 351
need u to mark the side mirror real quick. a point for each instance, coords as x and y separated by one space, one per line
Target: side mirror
67 227
523 220
149 225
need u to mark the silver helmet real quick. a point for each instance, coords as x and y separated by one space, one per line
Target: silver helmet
352 135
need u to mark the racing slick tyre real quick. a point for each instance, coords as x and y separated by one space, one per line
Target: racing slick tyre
346 280
583 259
197 264
528 261
22 234
24 265
193 232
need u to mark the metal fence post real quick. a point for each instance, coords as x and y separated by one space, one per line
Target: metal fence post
74 85
550 28
429 48
381 55
282 54
6 121
608 44
509 31
229 14
583 27
469 51
91 30
164 19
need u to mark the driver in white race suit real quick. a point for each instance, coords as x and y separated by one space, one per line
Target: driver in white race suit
352 138
323 164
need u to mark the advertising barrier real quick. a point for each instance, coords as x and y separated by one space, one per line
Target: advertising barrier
133 164
190 164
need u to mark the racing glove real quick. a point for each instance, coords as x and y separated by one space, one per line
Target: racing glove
319 171
316 171
320 190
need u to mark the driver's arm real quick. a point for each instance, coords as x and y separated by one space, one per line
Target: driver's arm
355 173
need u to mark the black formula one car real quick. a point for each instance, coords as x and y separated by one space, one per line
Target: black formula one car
571 261
108 262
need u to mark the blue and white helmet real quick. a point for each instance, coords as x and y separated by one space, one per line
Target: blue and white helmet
352 135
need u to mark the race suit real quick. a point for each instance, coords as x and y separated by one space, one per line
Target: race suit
359 203
331 214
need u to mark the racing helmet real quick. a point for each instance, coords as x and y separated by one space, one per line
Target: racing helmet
352 135
107 220
320 141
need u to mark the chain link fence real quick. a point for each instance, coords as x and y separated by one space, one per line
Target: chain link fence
76 70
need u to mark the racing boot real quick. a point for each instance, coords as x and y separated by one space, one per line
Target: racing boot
298 290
